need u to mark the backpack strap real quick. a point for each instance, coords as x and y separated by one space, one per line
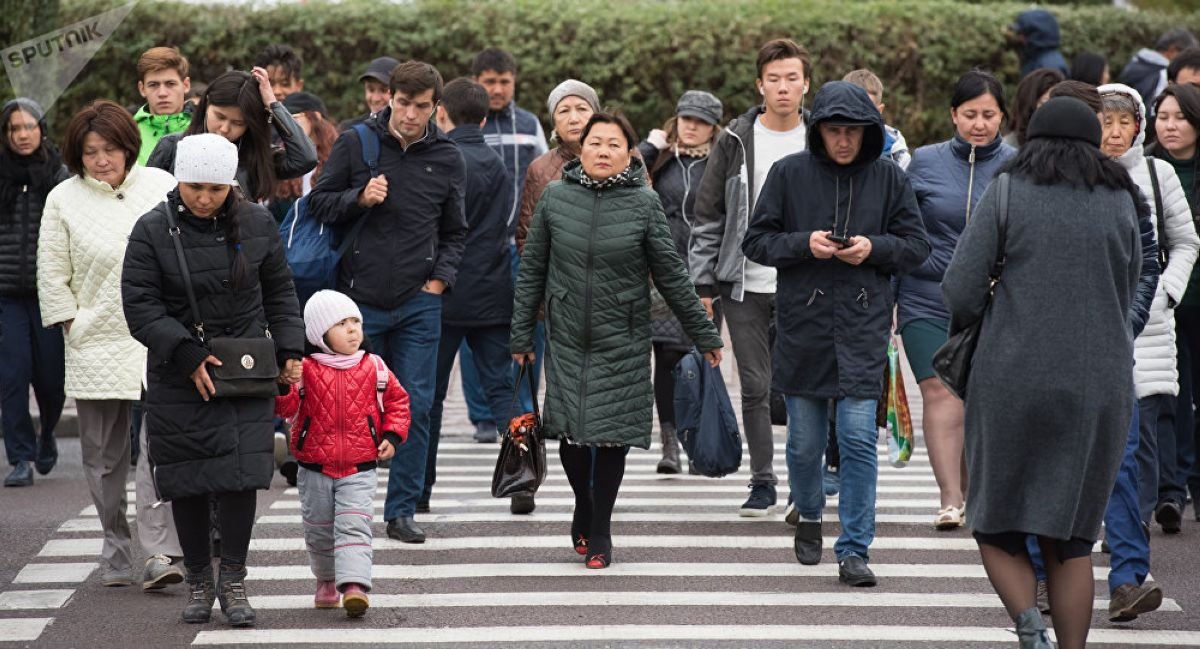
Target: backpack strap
381 383
1160 219
369 140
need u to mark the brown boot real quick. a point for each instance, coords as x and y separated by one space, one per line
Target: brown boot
1130 601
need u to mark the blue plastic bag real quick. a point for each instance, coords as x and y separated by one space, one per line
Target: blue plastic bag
704 419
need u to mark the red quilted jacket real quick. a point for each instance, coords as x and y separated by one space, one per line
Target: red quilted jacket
336 424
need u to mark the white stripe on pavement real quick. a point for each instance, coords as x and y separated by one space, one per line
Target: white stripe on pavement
691 488
618 569
632 502
679 479
71 547
81 524
20 600
296 544
25 629
523 635
685 598
54 573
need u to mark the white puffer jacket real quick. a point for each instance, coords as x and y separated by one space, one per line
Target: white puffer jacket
1154 371
81 250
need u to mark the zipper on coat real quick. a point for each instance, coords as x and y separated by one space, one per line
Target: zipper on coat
587 314
371 427
303 433
970 182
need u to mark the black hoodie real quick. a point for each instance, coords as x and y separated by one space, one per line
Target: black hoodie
834 319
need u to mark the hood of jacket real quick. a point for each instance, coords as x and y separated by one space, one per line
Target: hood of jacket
634 177
1134 156
1040 29
842 101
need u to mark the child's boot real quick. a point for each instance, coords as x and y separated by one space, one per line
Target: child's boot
327 595
201 595
355 601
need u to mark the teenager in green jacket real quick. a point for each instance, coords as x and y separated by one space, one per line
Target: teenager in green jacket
163 82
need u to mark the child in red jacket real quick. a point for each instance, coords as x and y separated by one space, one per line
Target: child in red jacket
347 412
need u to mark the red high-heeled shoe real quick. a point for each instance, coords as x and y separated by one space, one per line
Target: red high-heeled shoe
581 545
598 561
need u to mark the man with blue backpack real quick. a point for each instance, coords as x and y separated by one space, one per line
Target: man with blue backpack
404 219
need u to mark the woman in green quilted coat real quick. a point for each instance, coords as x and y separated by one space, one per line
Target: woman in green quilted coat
598 236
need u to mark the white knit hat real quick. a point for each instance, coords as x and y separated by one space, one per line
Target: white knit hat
206 158
323 310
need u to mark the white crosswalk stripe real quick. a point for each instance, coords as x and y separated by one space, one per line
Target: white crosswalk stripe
683 560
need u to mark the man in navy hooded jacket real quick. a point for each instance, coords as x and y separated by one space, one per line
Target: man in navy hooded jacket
1036 31
837 222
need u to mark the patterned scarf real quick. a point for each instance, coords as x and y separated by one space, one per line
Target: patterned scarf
612 181
694 151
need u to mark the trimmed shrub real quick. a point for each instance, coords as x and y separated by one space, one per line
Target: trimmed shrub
640 56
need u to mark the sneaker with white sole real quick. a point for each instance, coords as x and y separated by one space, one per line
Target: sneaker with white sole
762 498
160 572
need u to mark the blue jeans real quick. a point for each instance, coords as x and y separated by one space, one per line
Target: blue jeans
1156 414
1123 528
492 358
808 435
407 339
478 410
33 355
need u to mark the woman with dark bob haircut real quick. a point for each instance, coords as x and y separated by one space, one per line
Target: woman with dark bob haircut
1047 417
1032 92
597 237
85 229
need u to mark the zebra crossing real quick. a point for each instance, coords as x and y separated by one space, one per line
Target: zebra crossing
687 570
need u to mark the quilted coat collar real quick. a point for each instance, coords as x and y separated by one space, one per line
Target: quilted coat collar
104 188
635 176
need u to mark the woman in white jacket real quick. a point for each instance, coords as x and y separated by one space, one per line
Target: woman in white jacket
85 227
1155 374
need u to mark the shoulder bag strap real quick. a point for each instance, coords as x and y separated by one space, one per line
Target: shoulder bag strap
173 230
1002 182
1160 218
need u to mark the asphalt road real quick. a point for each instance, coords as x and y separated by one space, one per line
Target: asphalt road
688 572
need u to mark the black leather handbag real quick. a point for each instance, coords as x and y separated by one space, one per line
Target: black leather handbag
952 361
248 365
521 465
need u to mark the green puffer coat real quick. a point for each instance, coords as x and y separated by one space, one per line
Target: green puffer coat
589 256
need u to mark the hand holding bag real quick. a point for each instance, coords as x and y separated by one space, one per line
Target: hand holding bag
248 365
521 465
952 361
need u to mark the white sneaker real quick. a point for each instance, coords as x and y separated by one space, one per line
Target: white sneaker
160 573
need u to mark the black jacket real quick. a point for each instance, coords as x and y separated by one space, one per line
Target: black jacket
484 293
199 447
834 319
19 228
297 157
416 234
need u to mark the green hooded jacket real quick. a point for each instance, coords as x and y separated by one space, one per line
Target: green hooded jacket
589 257
154 127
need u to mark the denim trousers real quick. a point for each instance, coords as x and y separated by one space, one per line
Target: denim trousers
808 428
407 339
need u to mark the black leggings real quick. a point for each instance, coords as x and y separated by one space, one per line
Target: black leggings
235 513
595 484
666 357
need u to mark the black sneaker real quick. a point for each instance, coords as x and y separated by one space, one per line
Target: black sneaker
762 498
1170 516
853 571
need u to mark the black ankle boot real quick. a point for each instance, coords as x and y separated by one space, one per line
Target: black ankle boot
202 594
231 591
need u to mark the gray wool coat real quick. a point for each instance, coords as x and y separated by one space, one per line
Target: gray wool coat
1050 396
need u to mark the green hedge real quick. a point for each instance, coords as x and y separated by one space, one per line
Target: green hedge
639 55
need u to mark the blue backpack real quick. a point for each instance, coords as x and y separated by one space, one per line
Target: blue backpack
704 417
312 249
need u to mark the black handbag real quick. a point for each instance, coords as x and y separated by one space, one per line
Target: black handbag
952 361
248 365
521 465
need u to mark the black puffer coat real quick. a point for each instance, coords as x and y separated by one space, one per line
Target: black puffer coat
25 181
221 445
834 318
